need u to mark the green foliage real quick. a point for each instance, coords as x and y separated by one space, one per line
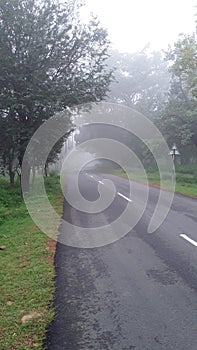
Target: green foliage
190 169
9 197
53 173
186 178
178 120
184 58
186 182
48 61
27 271
52 182
141 80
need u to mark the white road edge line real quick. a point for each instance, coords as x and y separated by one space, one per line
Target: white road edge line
189 239
101 182
122 195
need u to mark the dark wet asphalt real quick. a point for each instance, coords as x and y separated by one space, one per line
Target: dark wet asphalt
137 293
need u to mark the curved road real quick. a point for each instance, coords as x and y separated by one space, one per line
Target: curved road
137 293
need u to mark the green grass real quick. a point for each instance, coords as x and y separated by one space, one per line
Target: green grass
186 179
26 270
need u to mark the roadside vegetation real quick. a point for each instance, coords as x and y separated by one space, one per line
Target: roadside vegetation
27 271
186 178
50 62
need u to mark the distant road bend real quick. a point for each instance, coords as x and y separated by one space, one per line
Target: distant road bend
137 293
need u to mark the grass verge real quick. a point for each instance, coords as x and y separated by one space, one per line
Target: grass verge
26 270
186 183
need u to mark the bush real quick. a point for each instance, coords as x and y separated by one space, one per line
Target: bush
186 178
9 196
187 169
54 173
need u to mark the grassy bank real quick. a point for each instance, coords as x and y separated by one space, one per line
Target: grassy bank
186 178
27 271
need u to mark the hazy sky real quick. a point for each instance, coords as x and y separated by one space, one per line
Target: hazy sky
132 24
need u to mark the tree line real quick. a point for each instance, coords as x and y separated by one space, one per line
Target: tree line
50 60
162 86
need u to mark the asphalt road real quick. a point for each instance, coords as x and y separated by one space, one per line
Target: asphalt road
136 293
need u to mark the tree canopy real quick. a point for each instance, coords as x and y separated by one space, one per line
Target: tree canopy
141 80
49 60
163 88
178 120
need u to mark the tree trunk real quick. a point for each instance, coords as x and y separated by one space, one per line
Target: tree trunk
12 176
11 173
33 175
25 176
46 170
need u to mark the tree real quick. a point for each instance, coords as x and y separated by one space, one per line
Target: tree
178 120
8 149
48 61
141 80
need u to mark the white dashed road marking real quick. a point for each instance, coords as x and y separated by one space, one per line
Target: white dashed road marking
122 195
189 239
184 236
101 182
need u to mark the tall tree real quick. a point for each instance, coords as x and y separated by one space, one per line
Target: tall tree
141 80
48 60
178 120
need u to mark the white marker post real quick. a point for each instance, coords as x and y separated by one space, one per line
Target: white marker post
174 152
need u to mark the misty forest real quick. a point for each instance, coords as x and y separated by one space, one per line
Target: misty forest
51 61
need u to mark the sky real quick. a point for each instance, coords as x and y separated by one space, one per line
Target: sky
132 24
